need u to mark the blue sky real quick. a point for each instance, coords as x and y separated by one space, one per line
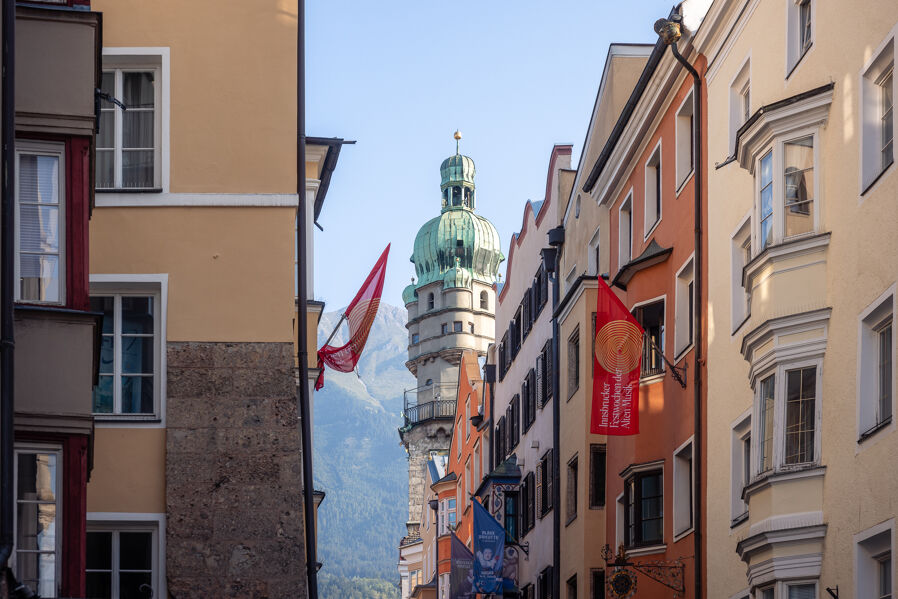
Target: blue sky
401 76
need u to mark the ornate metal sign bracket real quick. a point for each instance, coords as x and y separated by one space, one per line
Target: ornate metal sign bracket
668 573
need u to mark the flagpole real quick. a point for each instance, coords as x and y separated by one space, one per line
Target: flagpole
336 328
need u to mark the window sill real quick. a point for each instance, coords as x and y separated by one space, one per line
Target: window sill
646 550
130 190
878 177
872 431
648 379
597 507
682 353
570 519
739 326
799 60
684 182
651 229
682 535
743 517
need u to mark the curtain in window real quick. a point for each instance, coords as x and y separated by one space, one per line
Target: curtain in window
802 591
39 228
138 129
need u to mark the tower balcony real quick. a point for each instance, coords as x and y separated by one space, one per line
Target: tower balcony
430 402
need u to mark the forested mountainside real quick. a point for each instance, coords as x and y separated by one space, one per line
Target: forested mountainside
360 464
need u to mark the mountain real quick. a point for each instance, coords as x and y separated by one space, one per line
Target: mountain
359 463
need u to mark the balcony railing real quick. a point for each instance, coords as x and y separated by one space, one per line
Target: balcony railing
652 360
429 402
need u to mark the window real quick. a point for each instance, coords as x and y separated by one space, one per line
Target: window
444 329
683 325
801 387
129 141
740 467
876 366
625 232
571 489
740 256
501 441
527 592
765 203
548 366
450 514
685 133
456 326
466 498
653 190
415 338
476 466
484 300
598 584
40 218
792 392
800 22
873 565
130 354
511 516
644 509
471 327
802 591
572 587
878 114
430 301
798 176
740 100
682 473
651 318
573 363
467 420
765 447
597 457
38 530
122 562
513 415
528 411
528 503
767 593
545 483
593 259
544 582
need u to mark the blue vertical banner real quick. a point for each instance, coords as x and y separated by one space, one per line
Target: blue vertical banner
489 548
461 581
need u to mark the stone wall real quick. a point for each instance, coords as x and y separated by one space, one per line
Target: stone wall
420 441
233 472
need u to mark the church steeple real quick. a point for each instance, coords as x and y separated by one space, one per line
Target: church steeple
457 181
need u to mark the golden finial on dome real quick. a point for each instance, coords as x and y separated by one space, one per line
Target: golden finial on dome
457 137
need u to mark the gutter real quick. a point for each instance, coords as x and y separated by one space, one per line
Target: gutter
7 279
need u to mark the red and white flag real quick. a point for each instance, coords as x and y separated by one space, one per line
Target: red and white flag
360 313
618 358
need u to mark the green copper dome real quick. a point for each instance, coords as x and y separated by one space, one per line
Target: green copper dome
458 246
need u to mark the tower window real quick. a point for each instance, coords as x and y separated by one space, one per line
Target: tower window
430 301
456 196
484 300
467 198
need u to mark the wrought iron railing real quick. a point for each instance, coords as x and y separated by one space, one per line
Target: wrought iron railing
428 402
652 360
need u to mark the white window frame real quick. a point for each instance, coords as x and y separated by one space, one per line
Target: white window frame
56 150
683 502
626 207
683 316
32 448
869 545
740 85
685 140
778 235
143 59
883 59
136 522
592 260
654 173
784 586
740 297
143 285
740 431
778 464
883 308
795 50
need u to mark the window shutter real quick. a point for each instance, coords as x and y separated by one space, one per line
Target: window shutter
539 488
550 373
540 379
544 293
550 476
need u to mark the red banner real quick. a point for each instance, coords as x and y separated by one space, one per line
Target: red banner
360 313
617 352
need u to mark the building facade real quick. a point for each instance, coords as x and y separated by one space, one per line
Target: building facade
56 335
198 462
802 286
450 310
582 258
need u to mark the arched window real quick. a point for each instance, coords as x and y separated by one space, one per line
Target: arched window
484 300
467 197
430 301
456 196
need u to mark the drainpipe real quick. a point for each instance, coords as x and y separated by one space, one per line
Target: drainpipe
669 32
305 408
551 256
7 280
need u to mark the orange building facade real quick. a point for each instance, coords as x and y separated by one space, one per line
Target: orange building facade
645 181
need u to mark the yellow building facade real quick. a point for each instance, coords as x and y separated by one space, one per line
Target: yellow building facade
192 261
802 283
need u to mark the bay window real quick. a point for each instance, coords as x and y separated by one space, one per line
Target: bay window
877 105
798 176
40 219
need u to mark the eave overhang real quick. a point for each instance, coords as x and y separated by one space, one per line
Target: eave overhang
652 255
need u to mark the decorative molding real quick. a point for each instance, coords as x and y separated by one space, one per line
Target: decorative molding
776 477
166 199
774 329
643 467
789 567
774 254
766 540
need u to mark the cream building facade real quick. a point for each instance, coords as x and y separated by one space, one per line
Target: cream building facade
802 269
193 264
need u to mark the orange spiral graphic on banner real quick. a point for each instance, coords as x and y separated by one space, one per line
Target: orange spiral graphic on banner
618 346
